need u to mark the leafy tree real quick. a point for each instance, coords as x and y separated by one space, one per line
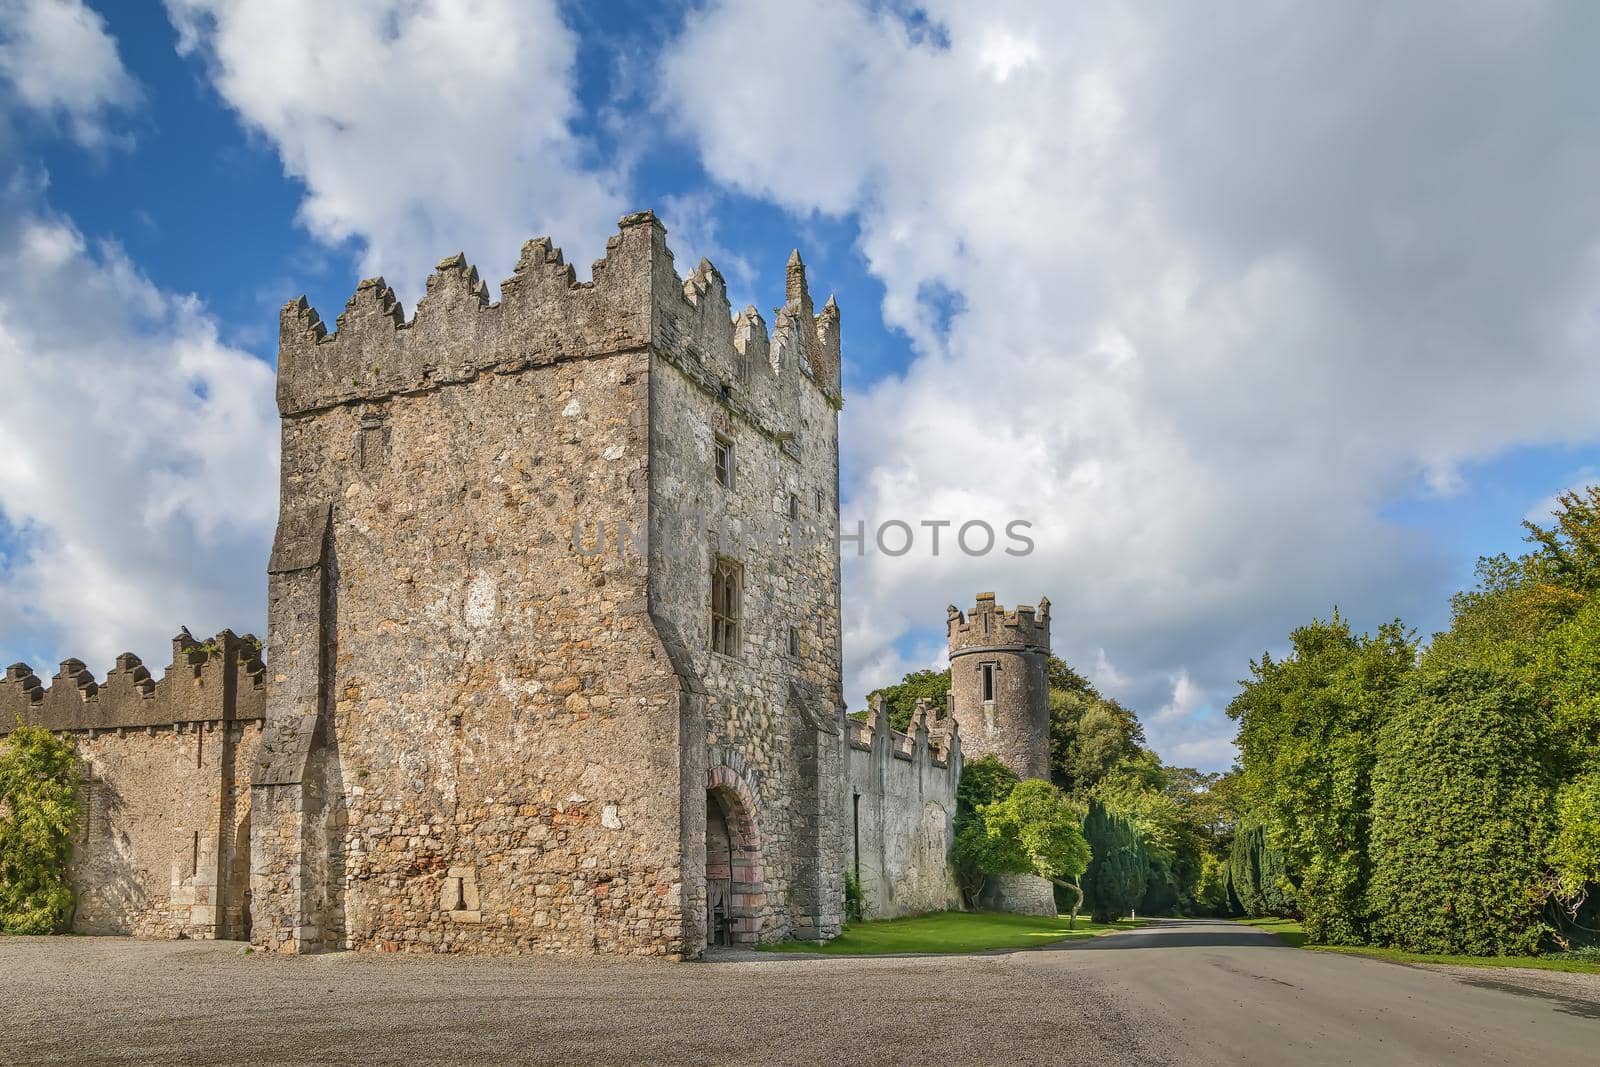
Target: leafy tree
1098 750
1537 618
1569 551
1565 667
1461 813
1518 601
1091 737
1114 882
1205 798
38 817
1211 895
1038 821
1574 853
976 855
983 781
901 698
1208 807
1306 725
1059 675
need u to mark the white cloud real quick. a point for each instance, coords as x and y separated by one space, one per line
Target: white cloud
419 127
1187 698
1104 673
1225 281
138 467
60 62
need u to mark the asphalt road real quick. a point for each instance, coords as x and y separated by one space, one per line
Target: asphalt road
1174 992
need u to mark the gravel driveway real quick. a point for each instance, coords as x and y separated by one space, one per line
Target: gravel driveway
1173 992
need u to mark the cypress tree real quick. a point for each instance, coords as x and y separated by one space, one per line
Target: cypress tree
1115 879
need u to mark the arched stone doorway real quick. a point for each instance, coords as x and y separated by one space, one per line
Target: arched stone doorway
735 883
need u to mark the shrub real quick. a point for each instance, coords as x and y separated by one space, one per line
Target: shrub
854 903
1461 814
38 818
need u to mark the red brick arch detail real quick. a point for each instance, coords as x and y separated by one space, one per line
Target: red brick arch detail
749 894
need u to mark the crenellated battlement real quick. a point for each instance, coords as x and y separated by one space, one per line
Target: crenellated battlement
991 626
545 315
933 737
222 679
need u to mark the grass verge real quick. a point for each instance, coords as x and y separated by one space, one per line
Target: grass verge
1293 933
1288 930
949 932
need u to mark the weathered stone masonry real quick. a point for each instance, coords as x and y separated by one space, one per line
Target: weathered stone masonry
482 734
163 843
497 713
901 808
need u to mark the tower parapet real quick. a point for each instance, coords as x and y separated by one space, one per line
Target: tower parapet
990 625
545 315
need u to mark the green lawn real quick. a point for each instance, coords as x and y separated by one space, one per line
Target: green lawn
1288 930
1292 932
951 932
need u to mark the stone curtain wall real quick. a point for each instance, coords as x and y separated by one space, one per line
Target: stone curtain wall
902 800
163 839
773 714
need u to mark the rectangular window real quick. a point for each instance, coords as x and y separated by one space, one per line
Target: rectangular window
819 501
986 681
794 507
727 586
724 450
794 640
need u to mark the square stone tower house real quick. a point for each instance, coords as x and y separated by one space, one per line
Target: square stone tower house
554 617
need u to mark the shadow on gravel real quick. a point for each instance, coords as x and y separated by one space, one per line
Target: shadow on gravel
1586 1009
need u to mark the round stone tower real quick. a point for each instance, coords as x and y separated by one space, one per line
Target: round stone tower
1000 700
999 688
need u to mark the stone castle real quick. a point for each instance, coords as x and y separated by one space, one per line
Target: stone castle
553 658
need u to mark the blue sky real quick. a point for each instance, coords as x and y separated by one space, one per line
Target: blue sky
1251 315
